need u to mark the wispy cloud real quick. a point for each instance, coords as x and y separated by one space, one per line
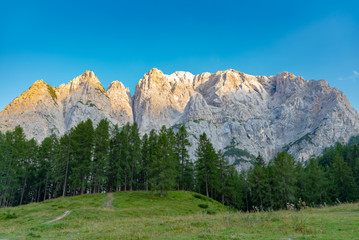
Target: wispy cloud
354 76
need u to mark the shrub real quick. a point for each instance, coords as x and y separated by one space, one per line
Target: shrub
203 205
199 196
211 211
9 215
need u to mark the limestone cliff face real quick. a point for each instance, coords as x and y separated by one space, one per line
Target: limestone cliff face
37 110
242 114
43 110
160 99
121 102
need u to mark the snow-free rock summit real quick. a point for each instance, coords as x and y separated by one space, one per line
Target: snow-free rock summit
242 114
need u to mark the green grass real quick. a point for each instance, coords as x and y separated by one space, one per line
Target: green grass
143 215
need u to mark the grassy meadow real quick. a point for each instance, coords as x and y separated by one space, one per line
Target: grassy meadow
180 215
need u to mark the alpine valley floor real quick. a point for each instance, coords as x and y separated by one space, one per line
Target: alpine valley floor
144 215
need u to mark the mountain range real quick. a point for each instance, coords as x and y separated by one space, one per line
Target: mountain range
242 115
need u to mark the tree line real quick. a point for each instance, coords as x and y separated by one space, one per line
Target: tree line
101 159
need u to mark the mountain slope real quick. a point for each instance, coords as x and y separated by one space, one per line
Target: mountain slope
242 114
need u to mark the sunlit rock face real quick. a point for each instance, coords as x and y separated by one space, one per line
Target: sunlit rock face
43 110
243 115
161 99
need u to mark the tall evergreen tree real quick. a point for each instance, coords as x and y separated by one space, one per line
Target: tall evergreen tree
259 183
207 159
346 189
113 174
283 180
46 159
146 162
182 145
163 176
315 184
101 156
81 152
135 155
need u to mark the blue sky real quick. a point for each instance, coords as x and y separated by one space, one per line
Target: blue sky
122 40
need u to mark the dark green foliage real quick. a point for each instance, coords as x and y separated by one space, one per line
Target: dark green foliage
314 184
345 186
240 155
283 180
259 183
185 167
82 139
9 215
163 167
203 205
88 160
353 141
206 172
199 196
100 157
306 137
210 211
52 93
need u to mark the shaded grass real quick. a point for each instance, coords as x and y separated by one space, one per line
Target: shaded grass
143 215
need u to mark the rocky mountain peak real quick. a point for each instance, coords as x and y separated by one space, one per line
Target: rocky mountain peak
88 77
38 84
285 75
117 86
155 72
257 113
117 90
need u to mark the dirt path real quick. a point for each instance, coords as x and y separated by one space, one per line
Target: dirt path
110 199
59 217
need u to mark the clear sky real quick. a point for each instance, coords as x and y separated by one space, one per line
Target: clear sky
122 40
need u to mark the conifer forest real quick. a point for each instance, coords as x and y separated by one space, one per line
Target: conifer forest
103 158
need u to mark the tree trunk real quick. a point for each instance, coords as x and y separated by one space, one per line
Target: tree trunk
82 186
38 193
47 178
23 190
182 173
207 194
131 188
125 182
65 182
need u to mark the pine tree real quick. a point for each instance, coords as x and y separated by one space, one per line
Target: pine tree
163 176
283 180
233 188
153 145
62 164
222 185
346 189
114 166
81 153
135 155
101 156
259 185
314 183
46 162
207 159
182 145
146 161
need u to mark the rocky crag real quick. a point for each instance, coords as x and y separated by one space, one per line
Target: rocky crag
242 114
